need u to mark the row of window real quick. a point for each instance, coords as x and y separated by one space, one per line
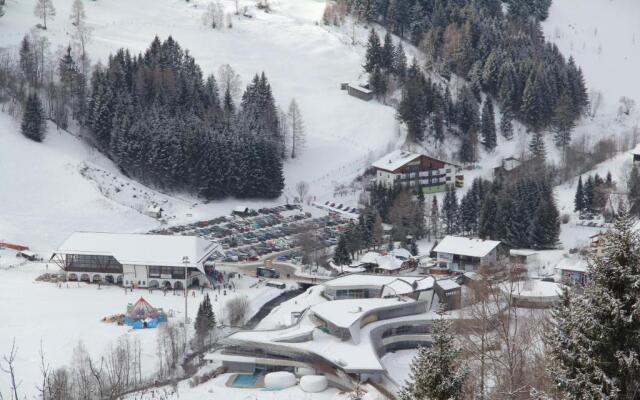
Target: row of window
165 272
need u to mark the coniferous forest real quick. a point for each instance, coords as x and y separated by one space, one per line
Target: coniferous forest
167 125
498 51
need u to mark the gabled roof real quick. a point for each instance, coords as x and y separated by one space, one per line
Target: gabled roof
394 160
466 247
399 158
140 249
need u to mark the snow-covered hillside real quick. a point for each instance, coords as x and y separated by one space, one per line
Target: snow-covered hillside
302 59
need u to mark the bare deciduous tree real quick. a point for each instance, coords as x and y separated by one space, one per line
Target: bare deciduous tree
8 366
302 190
44 9
236 310
297 128
214 15
229 79
77 15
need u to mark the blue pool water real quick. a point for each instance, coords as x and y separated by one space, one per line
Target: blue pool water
245 381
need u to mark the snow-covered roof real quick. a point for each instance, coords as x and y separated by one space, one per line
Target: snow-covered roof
572 264
360 88
636 150
522 252
510 163
240 209
466 247
401 253
140 249
447 284
370 258
407 285
394 160
344 313
401 285
389 262
27 253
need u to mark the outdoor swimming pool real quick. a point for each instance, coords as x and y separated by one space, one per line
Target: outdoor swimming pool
245 381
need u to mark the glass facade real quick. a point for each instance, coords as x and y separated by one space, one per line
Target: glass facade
166 272
92 263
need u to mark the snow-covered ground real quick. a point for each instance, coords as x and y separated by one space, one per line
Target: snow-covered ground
217 389
302 59
59 317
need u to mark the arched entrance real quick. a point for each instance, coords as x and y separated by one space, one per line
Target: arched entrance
109 279
166 285
154 284
72 277
85 278
97 278
178 285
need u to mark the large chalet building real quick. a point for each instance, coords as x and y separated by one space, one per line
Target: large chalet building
135 260
417 170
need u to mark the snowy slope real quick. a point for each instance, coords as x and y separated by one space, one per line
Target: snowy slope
301 59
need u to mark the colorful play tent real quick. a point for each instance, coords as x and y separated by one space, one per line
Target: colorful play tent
142 315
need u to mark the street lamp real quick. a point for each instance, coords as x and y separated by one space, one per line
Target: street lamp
185 261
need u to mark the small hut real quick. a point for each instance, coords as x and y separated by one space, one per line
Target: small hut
142 315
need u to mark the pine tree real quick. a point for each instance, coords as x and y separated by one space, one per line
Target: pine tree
450 211
537 147
578 201
563 123
387 53
373 54
488 126
378 83
33 119
436 372
589 194
506 126
399 61
44 9
435 218
205 321
594 343
341 253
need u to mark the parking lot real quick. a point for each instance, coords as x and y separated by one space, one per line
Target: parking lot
265 232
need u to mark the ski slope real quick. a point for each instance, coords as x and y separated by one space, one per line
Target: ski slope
302 59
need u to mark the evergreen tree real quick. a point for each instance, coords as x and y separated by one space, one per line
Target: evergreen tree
578 201
205 321
378 82
399 61
373 54
537 147
544 229
341 253
595 338
506 126
488 126
436 372
386 53
563 123
33 119
588 191
450 211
